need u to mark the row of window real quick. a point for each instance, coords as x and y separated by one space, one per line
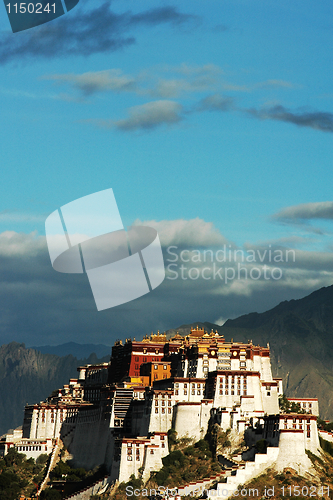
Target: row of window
163 410
193 392
233 392
30 448
130 458
233 379
198 385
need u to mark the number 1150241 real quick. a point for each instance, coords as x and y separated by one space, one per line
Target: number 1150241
30 8
305 491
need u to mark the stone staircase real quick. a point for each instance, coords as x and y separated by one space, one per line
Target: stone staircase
122 401
245 472
97 488
54 459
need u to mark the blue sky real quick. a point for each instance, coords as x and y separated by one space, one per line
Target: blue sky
217 112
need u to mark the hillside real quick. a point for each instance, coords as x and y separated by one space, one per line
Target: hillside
80 351
29 376
300 334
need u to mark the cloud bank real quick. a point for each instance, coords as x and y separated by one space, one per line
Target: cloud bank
39 306
306 211
85 32
318 120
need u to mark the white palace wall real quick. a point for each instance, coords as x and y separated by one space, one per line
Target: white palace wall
292 452
191 419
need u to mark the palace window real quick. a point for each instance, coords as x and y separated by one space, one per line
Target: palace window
164 367
169 410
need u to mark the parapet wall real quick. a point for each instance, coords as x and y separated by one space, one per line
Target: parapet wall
292 451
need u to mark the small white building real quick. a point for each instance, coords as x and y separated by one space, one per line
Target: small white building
139 456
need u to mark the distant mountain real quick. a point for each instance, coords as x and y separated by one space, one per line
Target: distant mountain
80 351
300 335
29 376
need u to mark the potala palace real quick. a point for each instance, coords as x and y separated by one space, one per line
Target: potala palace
119 413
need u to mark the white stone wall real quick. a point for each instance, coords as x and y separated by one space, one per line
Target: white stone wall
161 413
292 452
140 456
304 424
328 436
270 399
280 385
191 419
265 371
46 422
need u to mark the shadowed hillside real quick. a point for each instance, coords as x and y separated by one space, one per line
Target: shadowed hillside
28 376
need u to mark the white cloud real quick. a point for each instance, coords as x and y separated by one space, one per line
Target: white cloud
14 216
220 321
151 115
181 232
14 244
99 81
